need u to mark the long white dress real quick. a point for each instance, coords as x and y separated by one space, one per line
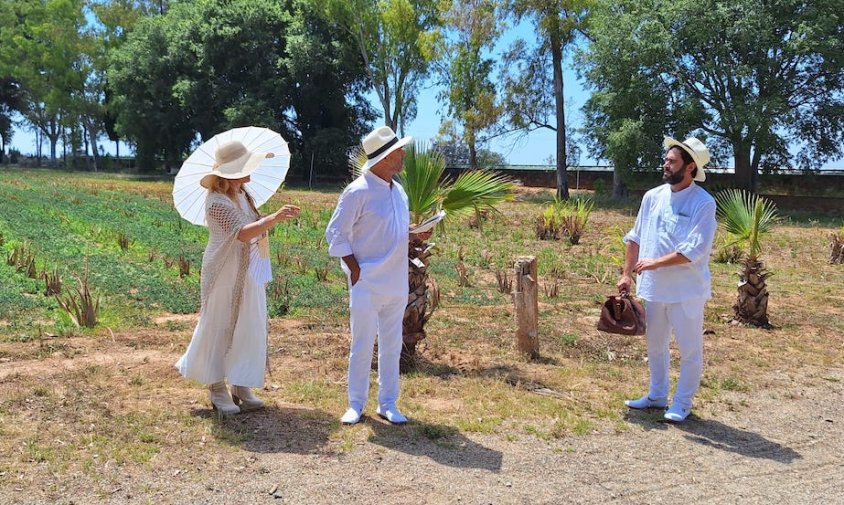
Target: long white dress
208 358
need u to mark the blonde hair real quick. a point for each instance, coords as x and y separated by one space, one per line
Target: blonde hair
219 184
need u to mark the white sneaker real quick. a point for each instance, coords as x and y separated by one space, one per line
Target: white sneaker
391 413
646 402
677 414
351 416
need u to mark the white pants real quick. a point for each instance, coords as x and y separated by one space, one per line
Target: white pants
373 314
686 319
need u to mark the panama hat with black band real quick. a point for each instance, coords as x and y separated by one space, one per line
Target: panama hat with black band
696 149
380 143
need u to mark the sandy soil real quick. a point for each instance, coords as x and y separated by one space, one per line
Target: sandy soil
782 444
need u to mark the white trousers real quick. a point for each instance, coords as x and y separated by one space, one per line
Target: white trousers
372 314
686 319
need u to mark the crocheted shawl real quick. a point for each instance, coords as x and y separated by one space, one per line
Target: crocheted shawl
225 219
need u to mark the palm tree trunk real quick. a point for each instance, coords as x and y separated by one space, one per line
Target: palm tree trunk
836 247
751 306
421 302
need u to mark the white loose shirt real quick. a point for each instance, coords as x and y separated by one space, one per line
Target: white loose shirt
683 222
371 221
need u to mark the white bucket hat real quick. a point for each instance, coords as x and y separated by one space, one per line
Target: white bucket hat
696 149
381 142
233 161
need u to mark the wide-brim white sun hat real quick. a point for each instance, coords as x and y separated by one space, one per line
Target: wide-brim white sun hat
380 143
234 161
262 154
696 149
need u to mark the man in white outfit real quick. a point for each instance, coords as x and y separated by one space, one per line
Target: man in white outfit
369 231
669 249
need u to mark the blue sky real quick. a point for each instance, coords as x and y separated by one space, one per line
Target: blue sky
537 148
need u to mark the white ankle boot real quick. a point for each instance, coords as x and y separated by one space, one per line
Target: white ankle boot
220 399
243 396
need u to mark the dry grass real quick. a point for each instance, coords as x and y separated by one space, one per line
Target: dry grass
87 405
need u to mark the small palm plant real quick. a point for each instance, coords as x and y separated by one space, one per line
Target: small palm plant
428 193
746 219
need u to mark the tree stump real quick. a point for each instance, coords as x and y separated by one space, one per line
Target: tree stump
526 301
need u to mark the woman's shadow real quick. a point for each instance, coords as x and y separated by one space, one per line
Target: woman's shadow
273 429
441 443
711 433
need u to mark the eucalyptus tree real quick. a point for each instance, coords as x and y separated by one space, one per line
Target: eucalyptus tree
465 67
763 80
394 40
533 76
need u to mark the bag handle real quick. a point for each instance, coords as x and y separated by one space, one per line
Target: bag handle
617 308
618 304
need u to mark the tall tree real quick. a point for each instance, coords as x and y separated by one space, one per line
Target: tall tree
116 20
142 74
210 65
755 76
394 39
47 51
534 90
10 103
465 67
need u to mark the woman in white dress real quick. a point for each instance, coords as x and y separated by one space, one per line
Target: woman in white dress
230 339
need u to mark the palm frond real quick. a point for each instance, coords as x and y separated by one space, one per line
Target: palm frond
475 190
746 218
357 161
423 169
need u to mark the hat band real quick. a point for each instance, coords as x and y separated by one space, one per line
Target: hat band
381 149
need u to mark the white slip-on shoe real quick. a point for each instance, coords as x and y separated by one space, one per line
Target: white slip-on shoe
242 396
676 414
351 416
221 400
391 413
646 402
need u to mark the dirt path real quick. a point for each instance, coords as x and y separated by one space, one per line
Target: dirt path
779 445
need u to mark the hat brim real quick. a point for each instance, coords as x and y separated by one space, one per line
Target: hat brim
398 145
701 173
248 165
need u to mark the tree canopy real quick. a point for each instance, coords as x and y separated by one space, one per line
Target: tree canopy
210 65
751 76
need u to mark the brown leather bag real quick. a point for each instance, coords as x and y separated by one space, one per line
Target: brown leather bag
623 315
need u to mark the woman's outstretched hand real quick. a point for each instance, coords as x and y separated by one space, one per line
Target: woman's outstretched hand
286 212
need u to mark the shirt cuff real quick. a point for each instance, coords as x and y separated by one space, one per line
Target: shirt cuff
692 253
339 250
630 237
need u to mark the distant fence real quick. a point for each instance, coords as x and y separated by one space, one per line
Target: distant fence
584 177
821 191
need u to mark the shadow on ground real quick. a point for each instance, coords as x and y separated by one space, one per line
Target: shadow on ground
273 429
711 433
440 443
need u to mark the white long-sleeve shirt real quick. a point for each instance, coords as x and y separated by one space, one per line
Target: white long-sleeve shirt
683 222
371 221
